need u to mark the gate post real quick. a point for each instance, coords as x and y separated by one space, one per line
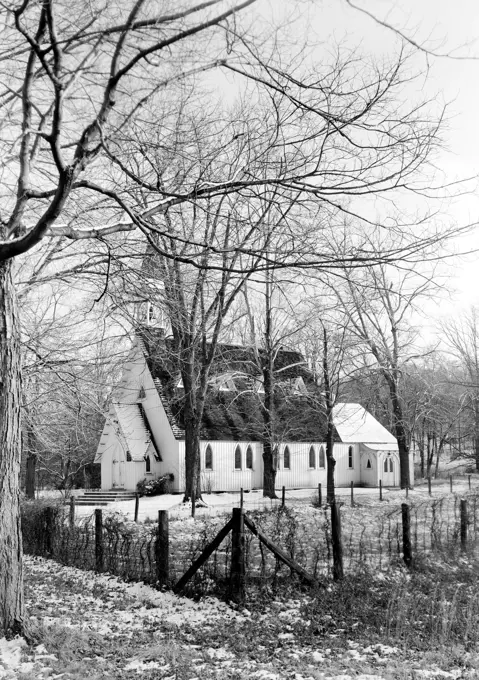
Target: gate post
338 571
238 557
163 549
98 541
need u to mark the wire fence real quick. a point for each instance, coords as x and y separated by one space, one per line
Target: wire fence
371 537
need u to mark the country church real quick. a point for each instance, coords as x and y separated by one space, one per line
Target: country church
143 436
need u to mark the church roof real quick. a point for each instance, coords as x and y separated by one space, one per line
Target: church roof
356 425
234 400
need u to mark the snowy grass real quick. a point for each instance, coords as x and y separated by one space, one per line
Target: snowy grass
95 626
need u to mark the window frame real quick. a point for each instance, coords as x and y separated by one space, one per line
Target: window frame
350 458
249 457
312 450
208 450
240 452
286 455
322 458
148 465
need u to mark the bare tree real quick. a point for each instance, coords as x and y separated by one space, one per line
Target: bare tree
461 336
78 76
377 303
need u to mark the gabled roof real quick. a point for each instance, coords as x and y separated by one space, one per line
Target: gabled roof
356 425
233 407
132 430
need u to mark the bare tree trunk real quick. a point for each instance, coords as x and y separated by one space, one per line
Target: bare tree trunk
476 431
192 457
30 475
400 431
269 452
331 462
11 574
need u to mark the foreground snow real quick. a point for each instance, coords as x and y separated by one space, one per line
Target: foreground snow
96 626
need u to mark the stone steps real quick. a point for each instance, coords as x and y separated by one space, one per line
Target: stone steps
101 497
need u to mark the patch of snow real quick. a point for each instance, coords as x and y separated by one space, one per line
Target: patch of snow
11 652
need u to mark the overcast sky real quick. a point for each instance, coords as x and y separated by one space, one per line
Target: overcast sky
444 27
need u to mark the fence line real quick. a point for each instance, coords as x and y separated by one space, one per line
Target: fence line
163 553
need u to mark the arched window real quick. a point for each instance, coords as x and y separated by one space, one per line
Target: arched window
147 464
391 468
249 458
238 456
350 457
322 458
368 464
286 458
208 458
128 457
312 457
386 464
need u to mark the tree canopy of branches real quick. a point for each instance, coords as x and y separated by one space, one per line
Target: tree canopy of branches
78 78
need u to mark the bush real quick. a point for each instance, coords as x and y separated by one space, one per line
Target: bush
155 487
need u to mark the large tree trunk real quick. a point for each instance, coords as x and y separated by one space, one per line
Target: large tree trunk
11 571
476 432
269 448
400 434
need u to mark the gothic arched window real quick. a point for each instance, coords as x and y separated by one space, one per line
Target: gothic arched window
312 457
249 458
238 457
147 464
322 458
208 458
286 458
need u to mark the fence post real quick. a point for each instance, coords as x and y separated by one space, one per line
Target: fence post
49 516
463 523
352 494
406 534
338 571
283 496
429 486
450 482
320 497
238 557
137 506
241 497
380 489
98 540
72 510
162 549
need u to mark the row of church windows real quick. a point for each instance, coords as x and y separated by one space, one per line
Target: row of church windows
286 458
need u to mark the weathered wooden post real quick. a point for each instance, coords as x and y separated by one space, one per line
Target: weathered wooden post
238 557
162 549
406 534
429 485
137 506
283 496
380 489
72 511
241 497
450 482
463 523
49 515
98 540
352 494
338 571
320 497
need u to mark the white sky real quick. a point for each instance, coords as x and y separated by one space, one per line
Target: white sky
444 26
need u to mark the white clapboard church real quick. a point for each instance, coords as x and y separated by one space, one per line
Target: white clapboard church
143 436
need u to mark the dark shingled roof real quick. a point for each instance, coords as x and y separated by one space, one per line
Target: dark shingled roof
235 414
